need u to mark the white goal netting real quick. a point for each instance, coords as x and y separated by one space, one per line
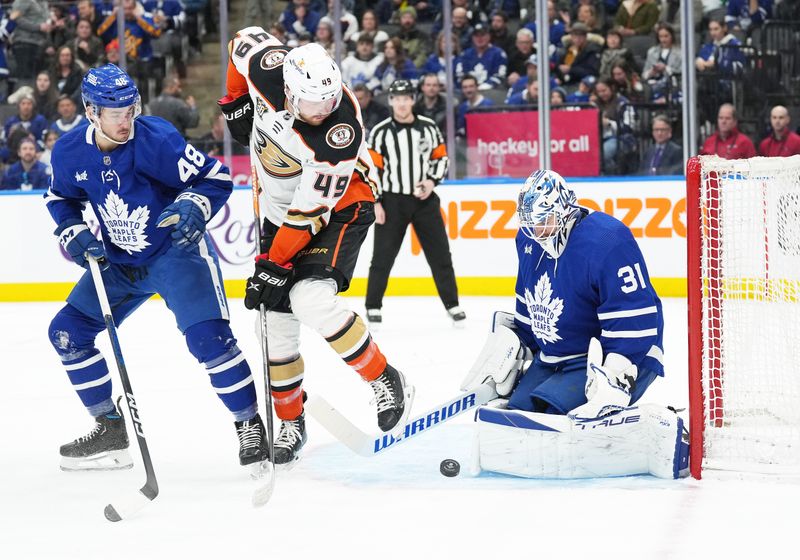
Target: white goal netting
749 313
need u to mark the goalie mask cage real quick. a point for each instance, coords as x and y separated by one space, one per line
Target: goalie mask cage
743 234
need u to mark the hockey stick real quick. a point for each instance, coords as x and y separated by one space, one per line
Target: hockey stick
149 491
264 492
368 445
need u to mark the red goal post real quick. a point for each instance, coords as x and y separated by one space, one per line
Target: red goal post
743 235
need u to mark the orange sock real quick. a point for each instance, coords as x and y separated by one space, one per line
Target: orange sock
355 346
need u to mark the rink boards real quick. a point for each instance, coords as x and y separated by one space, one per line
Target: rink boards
479 217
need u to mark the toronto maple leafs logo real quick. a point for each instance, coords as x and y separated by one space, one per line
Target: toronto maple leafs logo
126 231
544 310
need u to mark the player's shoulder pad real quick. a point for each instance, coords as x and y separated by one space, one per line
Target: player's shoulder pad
155 130
604 232
65 150
337 139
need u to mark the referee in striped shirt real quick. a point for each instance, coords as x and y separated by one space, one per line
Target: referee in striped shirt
411 158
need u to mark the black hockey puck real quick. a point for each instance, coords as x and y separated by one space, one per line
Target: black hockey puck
449 467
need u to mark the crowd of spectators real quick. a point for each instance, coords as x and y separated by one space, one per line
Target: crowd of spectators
47 46
622 57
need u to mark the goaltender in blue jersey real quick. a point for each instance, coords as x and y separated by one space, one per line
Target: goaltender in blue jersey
153 194
584 344
581 276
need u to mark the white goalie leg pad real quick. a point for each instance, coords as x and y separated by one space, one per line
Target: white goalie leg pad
646 439
502 358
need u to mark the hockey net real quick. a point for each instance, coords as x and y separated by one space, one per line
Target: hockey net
743 233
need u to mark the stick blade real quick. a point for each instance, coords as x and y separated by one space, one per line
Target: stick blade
126 508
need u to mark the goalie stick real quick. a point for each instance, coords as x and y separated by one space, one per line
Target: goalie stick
149 491
369 445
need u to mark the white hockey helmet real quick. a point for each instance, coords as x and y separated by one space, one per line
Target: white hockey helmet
312 80
546 207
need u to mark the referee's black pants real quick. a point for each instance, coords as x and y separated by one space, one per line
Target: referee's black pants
426 217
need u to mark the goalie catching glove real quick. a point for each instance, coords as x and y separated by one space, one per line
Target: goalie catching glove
609 384
269 284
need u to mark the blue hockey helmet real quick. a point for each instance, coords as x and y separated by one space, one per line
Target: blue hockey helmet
109 86
546 201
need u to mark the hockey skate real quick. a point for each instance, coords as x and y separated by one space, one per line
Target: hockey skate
291 438
458 316
105 448
393 398
375 318
253 445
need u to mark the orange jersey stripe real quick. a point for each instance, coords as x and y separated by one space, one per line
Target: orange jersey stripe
286 244
439 152
341 234
235 83
377 158
357 191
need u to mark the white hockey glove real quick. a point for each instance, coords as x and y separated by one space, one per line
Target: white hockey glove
608 386
502 358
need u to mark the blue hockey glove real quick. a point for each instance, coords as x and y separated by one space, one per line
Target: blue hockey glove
188 214
269 284
79 242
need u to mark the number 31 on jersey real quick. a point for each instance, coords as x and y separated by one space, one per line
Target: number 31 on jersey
632 278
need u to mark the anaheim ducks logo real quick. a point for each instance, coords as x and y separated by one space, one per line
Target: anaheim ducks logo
340 136
274 160
272 59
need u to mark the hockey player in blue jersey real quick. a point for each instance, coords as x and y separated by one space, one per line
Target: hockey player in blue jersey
584 343
153 194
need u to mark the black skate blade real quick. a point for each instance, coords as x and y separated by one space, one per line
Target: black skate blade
263 474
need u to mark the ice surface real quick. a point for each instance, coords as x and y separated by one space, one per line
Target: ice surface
333 503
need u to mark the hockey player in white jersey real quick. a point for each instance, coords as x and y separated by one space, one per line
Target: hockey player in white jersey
317 181
582 347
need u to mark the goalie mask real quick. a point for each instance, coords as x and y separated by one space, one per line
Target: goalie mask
547 209
313 83
112 102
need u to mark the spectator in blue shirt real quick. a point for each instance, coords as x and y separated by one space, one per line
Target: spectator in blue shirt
747 14
395 66
485 62
472 99
68 117
27 119
28 173
529 96
299 18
